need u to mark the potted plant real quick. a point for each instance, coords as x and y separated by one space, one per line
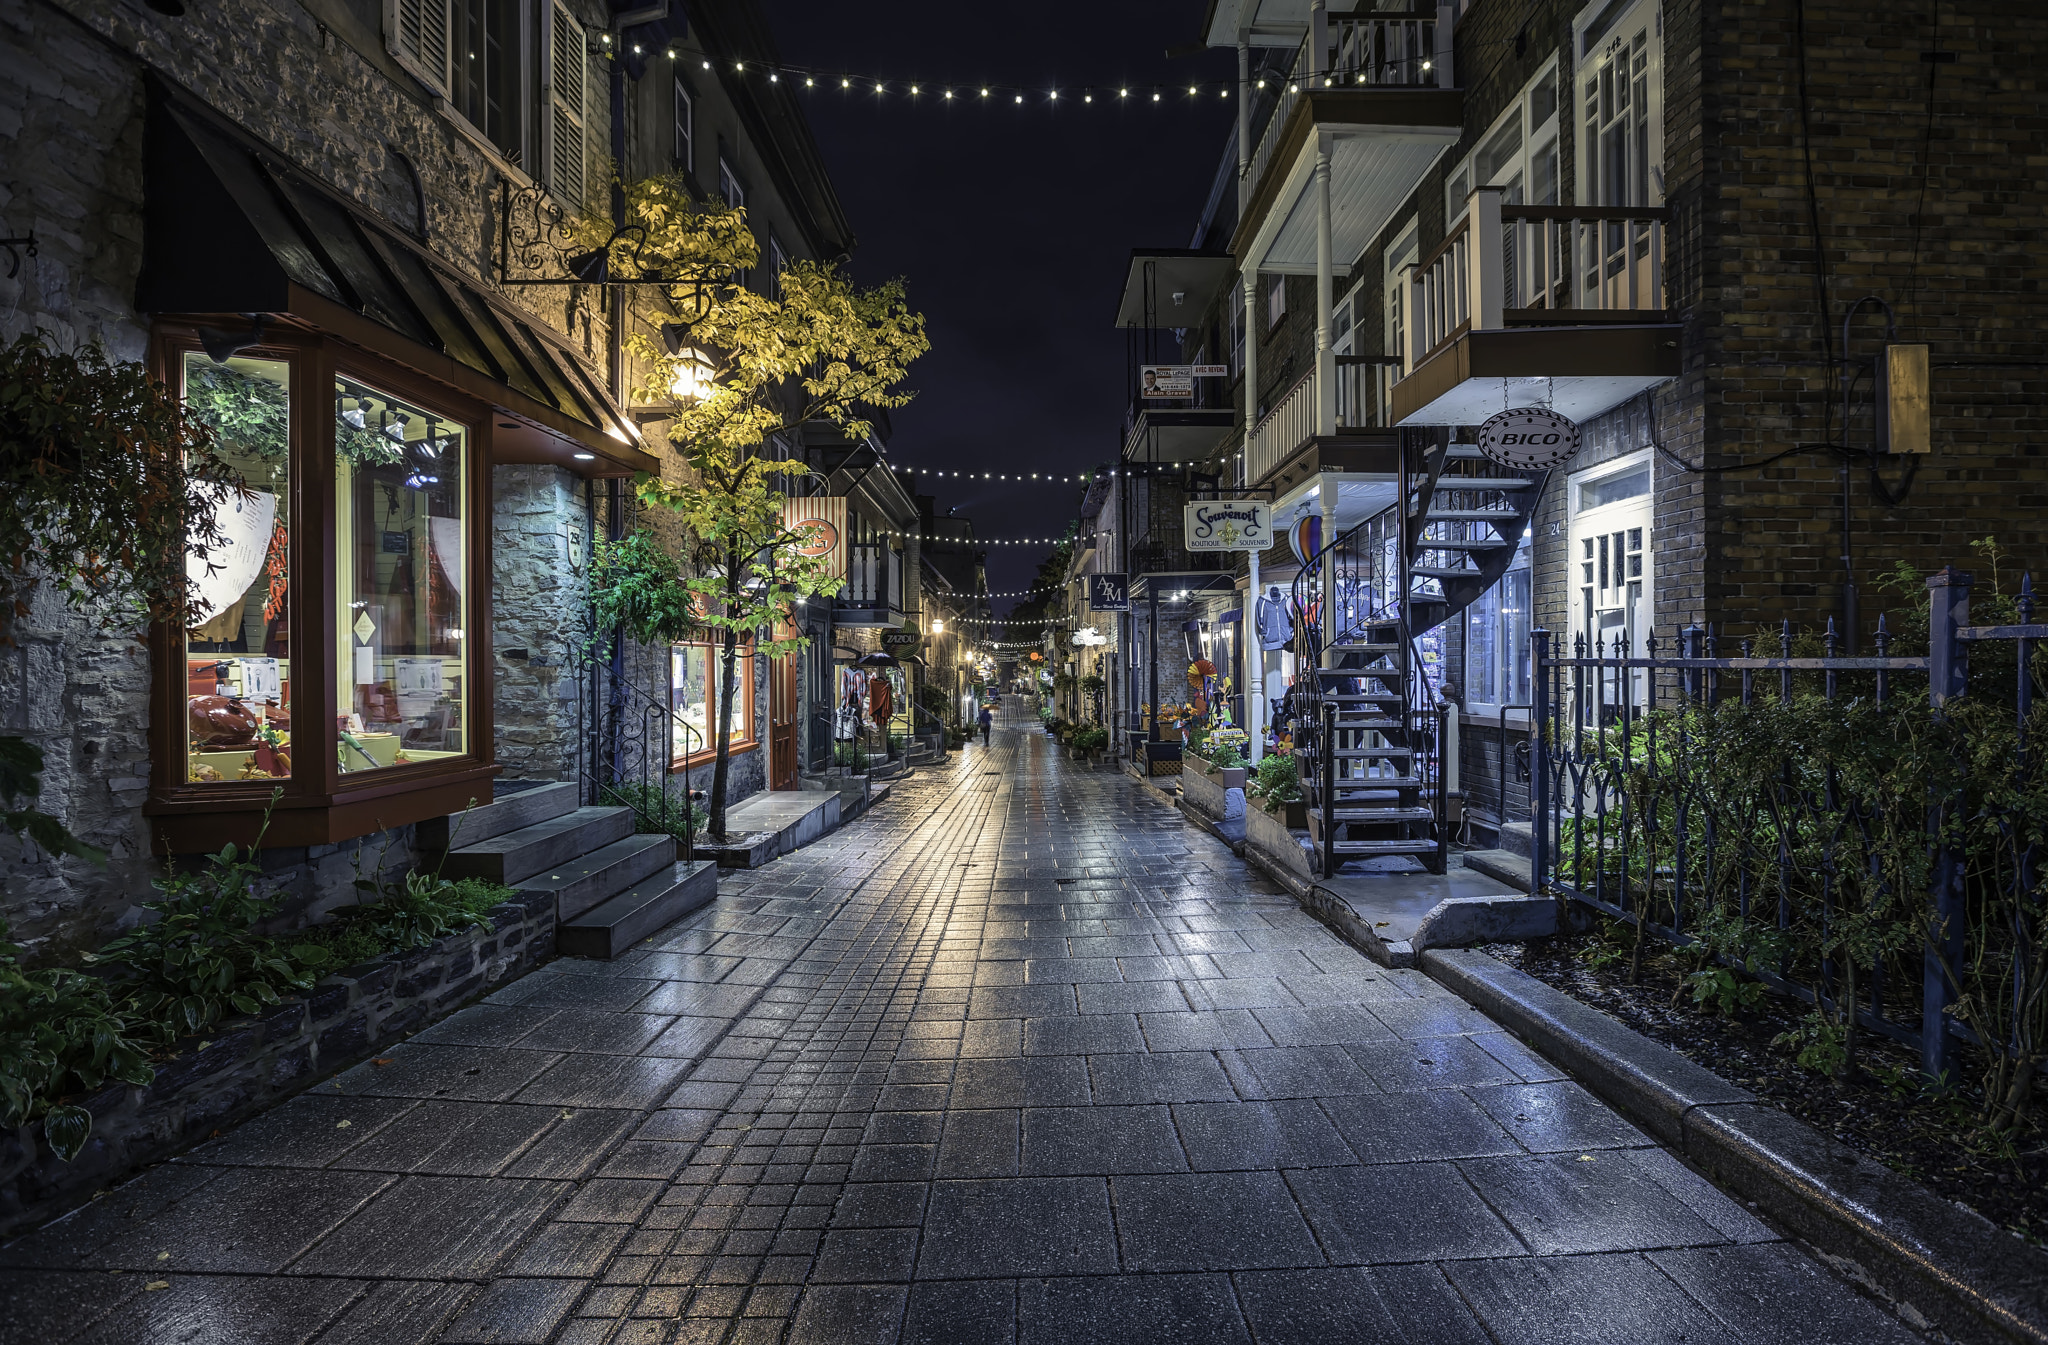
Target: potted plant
1226 766
1276 785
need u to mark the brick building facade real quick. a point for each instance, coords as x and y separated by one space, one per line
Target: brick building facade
1796 162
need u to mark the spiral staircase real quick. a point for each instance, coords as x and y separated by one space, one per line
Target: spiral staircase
1369 713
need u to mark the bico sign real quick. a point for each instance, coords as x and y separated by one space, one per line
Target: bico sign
1529 438
1227 525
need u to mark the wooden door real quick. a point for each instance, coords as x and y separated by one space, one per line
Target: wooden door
782 717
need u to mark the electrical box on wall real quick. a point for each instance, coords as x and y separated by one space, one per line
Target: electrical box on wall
1905 401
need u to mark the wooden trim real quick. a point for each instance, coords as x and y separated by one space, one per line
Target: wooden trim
1588 213
752 739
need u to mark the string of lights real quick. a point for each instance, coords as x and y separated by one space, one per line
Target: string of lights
1045 478
982 541
975 93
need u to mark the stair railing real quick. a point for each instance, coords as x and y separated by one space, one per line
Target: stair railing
635 745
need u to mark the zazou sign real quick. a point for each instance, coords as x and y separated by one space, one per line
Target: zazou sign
1529 438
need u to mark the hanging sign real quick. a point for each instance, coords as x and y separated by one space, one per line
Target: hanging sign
1171 382
1109 593
1529 438
1227 525
819 521
897 639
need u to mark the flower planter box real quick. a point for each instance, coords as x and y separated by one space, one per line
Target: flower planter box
247 1064
1207 794
1292 815
1224 777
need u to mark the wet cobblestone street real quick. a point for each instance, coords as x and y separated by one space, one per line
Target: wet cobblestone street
1017 1055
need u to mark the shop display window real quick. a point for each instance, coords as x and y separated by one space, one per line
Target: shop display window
696 679
237 656
401 568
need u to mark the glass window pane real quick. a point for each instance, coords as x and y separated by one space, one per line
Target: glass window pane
401 569
696 684
1481 656
238 715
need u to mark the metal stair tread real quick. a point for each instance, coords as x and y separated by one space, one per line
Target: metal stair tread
1384 784
1470 544
1359 753
1394 814
1473 516
1390 847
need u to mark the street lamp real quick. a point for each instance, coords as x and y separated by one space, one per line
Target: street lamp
695 377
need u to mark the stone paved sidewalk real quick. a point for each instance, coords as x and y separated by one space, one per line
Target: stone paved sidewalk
1016 1057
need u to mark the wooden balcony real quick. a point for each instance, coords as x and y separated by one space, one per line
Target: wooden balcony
1558 306
1283 449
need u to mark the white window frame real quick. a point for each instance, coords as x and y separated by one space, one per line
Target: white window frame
1511 625
684 112
778 262
730 188
1540 137
1404 251
1643 16
1276 298
1604 520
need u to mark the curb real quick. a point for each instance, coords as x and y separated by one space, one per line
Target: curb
1201 819
1333 911
1936 1261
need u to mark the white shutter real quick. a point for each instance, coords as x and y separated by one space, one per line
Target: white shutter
568 58
417 33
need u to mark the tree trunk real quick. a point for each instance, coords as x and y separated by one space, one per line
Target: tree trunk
728 655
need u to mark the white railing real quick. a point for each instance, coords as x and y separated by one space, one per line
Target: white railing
1509 260
1290 424
1375 51
1364 392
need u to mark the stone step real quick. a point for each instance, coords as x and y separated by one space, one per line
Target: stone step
582 882
613 926
514 808
1505 865
518 855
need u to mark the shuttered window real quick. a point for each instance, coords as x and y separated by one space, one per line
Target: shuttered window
417 33
567 61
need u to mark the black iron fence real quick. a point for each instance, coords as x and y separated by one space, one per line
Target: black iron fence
1860 832
632 740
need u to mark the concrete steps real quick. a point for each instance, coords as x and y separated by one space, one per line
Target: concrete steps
612 886
516 855
586 880
619 922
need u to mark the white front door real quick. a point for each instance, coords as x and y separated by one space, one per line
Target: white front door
1612 570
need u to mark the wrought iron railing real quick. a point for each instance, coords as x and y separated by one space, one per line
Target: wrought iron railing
633 741
1366 51
1735 801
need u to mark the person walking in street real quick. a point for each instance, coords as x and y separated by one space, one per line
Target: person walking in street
987 723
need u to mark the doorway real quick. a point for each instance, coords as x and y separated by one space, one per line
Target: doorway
783 713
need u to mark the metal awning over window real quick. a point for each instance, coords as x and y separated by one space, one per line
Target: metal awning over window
231 227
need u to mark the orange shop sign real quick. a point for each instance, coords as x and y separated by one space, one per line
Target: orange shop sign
820 522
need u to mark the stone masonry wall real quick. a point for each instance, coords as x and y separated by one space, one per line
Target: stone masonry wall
537 612
313 80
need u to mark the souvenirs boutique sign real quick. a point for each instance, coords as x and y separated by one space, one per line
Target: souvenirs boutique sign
1228 525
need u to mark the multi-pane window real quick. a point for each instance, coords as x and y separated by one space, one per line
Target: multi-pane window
685 127
1497 640
729 185
778 262
1518 153
1276 300
696 691
1236 330
511 69
1612 560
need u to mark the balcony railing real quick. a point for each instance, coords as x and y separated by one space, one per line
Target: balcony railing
1377 51
1364 391
1524 263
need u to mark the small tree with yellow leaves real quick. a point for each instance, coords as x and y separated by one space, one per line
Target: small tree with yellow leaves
736 368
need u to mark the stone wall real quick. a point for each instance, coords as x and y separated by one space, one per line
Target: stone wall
539 561
248 1064
314 81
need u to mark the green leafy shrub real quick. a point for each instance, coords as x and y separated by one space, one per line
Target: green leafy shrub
656 812
61 1032
1090 740
1225 756
201 957
1277 781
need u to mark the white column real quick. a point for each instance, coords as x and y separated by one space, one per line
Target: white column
1328 500
1254 668
1318 44
1253 321
1244 114
1326 282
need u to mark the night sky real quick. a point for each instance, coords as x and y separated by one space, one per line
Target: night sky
1012 225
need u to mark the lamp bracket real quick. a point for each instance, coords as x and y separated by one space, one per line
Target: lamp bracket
535 240
27 243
